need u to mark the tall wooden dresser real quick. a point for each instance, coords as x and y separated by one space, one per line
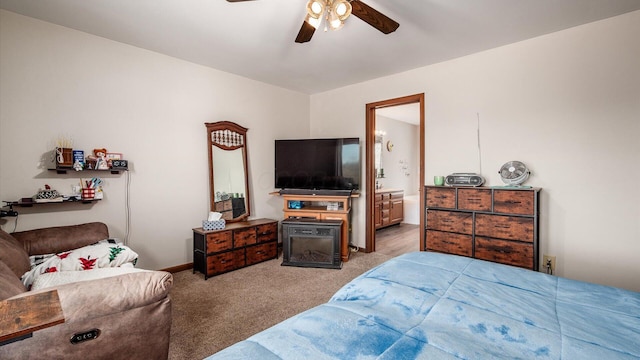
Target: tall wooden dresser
238 245
495 224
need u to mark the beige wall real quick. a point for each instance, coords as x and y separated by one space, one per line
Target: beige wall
567 104
401 165
57 81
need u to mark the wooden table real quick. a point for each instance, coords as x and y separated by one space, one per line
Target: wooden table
28 314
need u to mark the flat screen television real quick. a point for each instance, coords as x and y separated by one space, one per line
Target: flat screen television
318 164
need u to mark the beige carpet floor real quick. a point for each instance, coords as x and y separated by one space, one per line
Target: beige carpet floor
209 315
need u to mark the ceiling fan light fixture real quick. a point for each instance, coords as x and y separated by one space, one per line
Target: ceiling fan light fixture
315 22
342 8
334 21
315 8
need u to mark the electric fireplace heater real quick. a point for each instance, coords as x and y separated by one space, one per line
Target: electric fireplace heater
311 243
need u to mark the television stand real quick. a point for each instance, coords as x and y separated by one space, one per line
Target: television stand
316 192
322 207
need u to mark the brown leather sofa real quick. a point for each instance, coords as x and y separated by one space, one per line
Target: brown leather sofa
132 311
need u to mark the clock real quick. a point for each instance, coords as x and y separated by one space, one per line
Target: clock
119 164
389 146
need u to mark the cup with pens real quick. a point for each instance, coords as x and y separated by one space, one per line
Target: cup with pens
89 188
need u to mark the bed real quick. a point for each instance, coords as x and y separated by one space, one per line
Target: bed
426 305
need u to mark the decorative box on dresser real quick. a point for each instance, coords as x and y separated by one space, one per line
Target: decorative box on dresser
495 224
238 245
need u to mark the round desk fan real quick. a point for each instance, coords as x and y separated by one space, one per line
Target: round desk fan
514 173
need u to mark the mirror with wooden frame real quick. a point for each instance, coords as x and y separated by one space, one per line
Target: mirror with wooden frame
229 185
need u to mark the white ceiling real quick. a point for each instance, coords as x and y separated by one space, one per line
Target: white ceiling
255 39
409 113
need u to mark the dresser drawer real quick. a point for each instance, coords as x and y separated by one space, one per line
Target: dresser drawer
458 222
441 197
505 252
267 232
244 237
219 241
514 202
224 262
397 195
474 199
262 252
449 243
505 227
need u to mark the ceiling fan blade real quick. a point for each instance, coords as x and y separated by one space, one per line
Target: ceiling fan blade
238 0
373 17
305 33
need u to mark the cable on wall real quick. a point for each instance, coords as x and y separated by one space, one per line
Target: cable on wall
127 206
479 149
15 224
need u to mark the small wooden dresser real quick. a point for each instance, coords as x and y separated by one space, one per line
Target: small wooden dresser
389 208
495 224
238 245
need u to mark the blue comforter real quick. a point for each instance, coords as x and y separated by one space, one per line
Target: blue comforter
434 306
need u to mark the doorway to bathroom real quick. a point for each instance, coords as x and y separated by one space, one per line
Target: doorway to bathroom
395 175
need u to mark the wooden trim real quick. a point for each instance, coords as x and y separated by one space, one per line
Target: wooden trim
178 268
370 127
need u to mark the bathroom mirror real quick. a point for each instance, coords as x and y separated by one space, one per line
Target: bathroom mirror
229 185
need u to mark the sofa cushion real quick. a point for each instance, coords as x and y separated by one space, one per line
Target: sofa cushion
10 285
61 238
13 254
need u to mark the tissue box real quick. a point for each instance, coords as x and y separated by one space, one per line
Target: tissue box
213 225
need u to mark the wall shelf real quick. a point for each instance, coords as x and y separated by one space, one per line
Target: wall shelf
64 202
60 170
52 163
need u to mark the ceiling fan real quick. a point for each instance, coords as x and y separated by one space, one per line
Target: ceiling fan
335 12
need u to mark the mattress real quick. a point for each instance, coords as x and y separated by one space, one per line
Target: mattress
426 305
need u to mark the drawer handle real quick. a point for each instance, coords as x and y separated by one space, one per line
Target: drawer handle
502 226
259 252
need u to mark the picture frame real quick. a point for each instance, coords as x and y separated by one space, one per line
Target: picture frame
113 156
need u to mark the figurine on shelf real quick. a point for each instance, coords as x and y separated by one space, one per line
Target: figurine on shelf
101 159
78 166
47 195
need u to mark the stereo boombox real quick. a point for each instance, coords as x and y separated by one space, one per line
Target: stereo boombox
463 179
